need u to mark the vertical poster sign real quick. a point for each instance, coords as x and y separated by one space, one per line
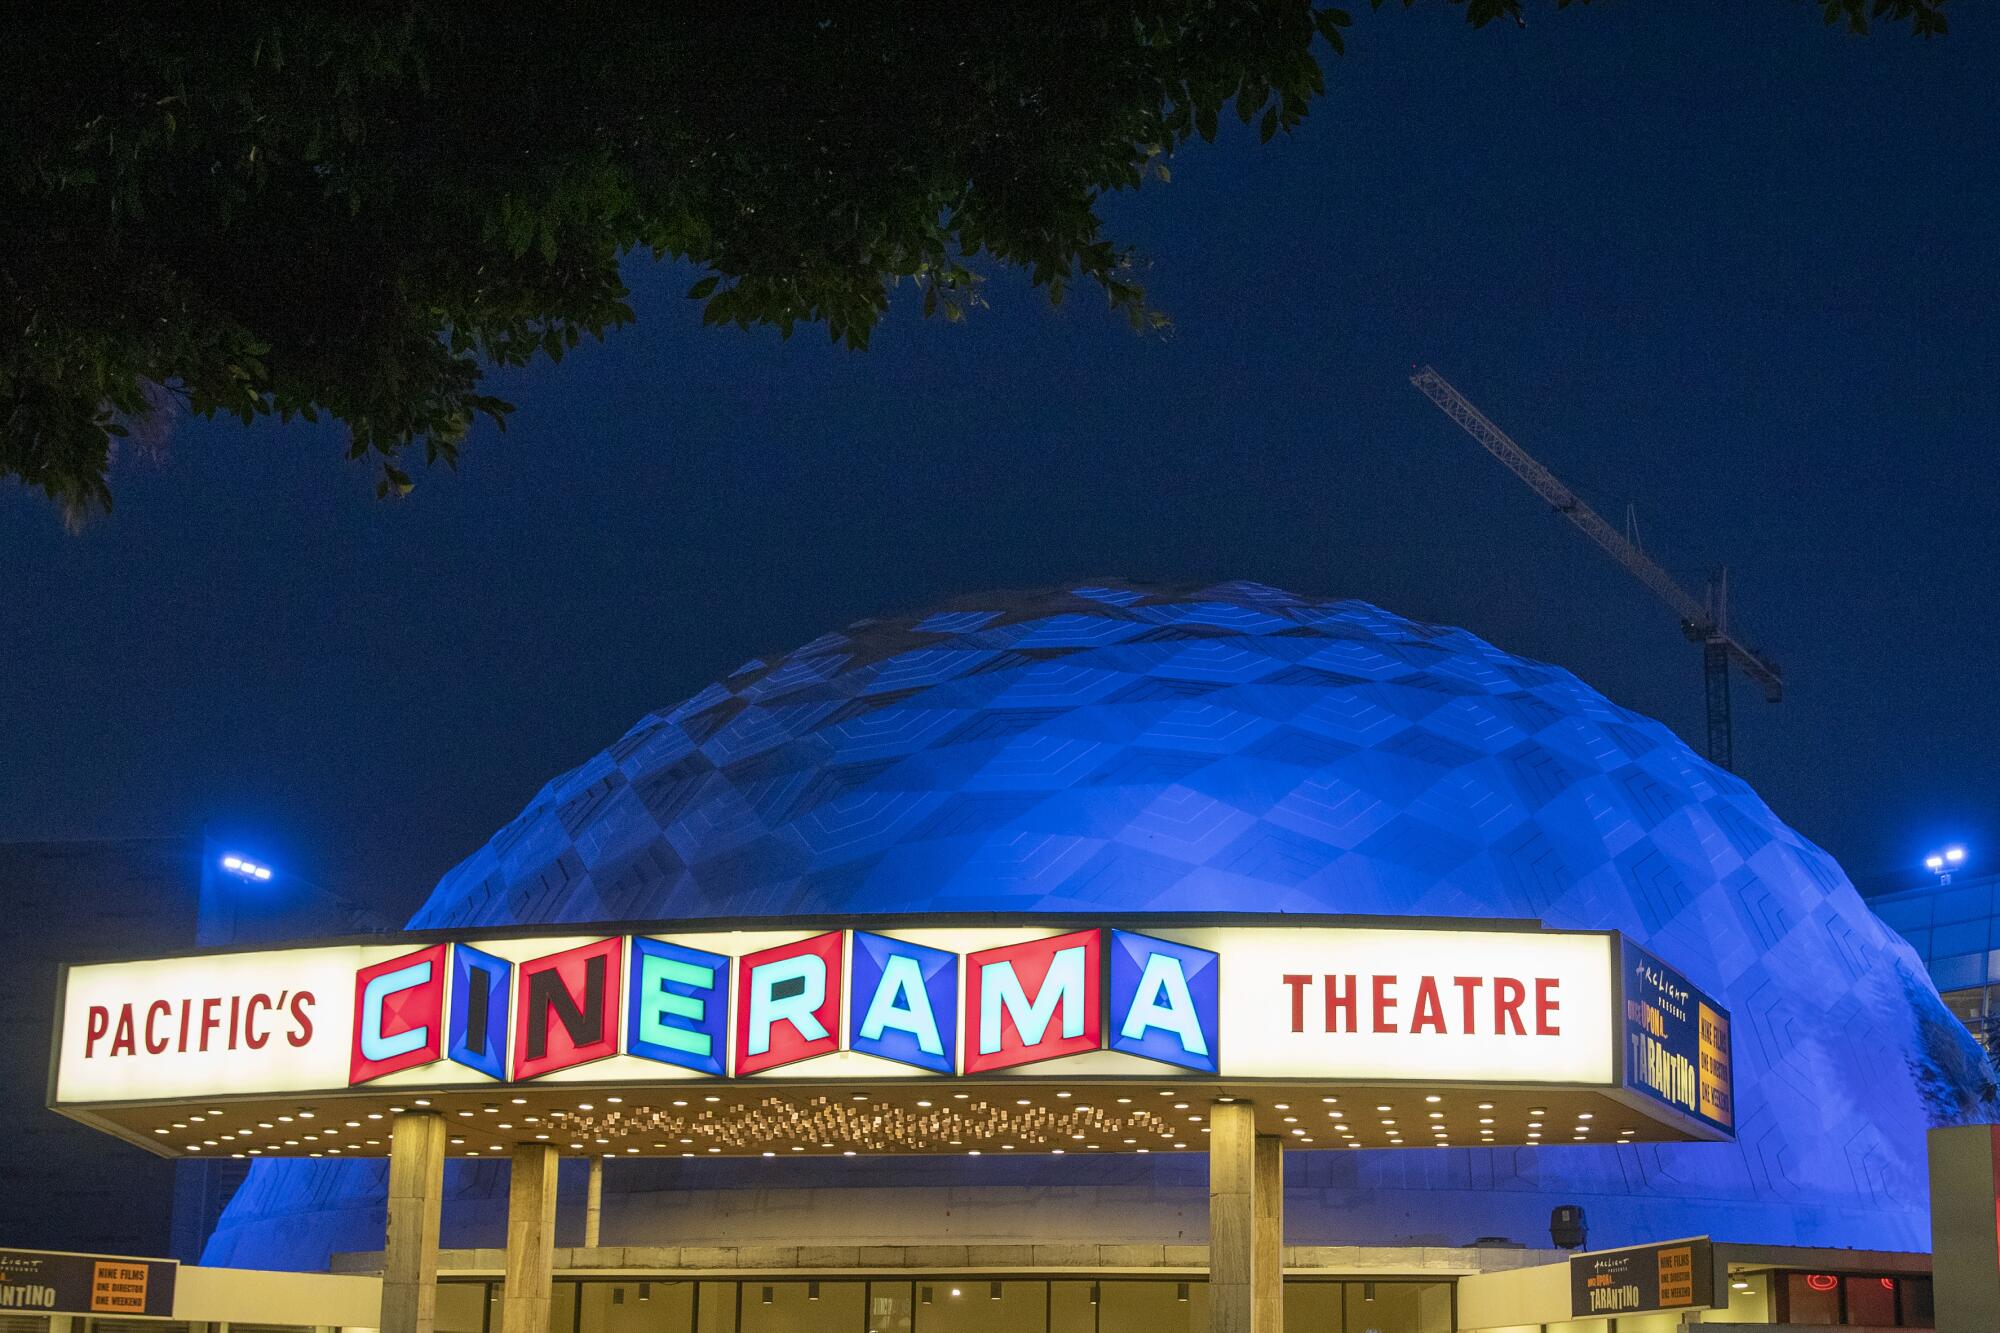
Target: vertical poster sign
1676 1042
1713 1087
119 1286
398 1014
566 1008
678 1012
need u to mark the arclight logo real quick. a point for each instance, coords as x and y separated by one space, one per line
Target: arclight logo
855 991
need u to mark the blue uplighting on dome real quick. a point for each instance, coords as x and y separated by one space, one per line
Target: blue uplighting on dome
1237 748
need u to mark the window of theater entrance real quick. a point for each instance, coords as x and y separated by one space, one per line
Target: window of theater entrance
1312 1307
1391 1307
461 1307
798 1307
982 1305
638 1307
1152 1307
715 1308
1122 1305
889 1305
949 1305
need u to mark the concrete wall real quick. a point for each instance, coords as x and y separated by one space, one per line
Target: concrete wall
915 1257
1529 1296
240 1296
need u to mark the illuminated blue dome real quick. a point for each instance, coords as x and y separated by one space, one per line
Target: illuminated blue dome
1121 749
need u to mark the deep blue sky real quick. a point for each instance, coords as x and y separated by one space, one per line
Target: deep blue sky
1739 268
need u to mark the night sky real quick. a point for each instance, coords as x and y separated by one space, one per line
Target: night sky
1742 271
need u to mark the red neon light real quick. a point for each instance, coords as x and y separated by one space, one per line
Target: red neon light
1822 1281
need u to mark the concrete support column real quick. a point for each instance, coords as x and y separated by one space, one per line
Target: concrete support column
1245 1224
416 1204
531 1240
593 1205
1965 1227
1267 1248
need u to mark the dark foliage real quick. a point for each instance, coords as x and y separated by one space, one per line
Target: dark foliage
347 211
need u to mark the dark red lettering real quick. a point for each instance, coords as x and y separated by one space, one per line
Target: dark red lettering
1546 1007
1385 1005
156 1046
186 1005
94 1028
304 1032
1336 1000
211 1017
1298 985
1507 996
1429 1011
253 1036
122 1042
1468 990
235 1019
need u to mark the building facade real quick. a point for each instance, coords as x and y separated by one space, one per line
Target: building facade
1955 930
1125 751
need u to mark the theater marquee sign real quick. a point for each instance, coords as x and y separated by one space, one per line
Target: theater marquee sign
762 1017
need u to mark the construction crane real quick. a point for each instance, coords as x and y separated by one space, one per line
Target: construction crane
1705 622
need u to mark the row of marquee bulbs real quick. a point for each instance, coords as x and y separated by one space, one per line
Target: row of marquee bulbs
1391 1130
926 1292
1538 1119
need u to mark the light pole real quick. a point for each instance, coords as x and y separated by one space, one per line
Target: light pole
1943 863
248 869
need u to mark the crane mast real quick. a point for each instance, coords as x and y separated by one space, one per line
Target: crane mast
1704 622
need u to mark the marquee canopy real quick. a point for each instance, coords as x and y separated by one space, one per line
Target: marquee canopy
901 1035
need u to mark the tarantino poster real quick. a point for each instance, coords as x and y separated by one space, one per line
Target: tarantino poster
1679 1275
45 1282
1676 1041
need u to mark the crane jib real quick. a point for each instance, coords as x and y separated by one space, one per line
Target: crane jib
1706 621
